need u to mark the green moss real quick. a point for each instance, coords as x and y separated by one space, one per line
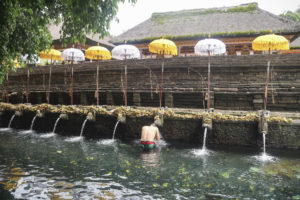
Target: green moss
205 35
160 18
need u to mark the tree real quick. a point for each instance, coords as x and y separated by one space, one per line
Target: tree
292 15
23 24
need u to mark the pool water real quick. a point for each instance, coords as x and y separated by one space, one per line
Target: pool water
36 166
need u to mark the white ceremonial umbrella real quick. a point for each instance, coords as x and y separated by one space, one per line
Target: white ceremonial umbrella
33 60
208 47
124 52
73 55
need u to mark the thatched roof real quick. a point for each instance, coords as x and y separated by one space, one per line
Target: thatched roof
295 43
246 19
54 30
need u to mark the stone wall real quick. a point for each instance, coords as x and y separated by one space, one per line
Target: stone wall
228 133
237 82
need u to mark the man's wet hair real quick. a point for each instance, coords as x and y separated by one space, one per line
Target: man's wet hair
153 124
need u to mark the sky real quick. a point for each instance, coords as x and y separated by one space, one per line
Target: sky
131 15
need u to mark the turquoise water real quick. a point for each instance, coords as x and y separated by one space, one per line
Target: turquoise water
56 167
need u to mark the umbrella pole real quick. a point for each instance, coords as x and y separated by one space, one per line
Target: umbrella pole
97 79
162 81
267 81
208 82
7 96
49 85
27 88
72 84
72 80
125 81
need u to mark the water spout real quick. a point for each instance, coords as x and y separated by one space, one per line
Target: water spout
32 122
264 140
56 122
83 125
204 140
11 120
115 129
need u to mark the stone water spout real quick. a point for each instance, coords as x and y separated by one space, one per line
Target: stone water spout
207 121
91 116
263 123
207 125
263 127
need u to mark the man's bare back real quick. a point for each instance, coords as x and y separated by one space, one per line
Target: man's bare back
149 133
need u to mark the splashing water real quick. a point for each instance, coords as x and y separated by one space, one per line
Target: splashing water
264 156
204 140
11 120
115 129
82 128
106 142
74 139
203 151
32 122
56 122
47 135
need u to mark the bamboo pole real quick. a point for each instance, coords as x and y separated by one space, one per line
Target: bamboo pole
125 79
267 81
72 81
208 82
162 80
7 95
27 87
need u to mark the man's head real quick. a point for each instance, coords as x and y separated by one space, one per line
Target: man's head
153 124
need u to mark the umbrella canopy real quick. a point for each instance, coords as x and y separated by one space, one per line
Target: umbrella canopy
73 54
163 46
211 46
51 54
270 42
97 53
127 51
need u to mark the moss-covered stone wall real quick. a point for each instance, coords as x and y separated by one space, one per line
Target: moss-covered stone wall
237 82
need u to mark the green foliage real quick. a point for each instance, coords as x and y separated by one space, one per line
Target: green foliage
292 15
23 24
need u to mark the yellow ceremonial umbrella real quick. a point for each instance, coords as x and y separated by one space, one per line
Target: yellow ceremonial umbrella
163 47
51 54
97 53
269 43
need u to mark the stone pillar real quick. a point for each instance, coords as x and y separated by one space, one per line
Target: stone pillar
83 99
169 100
109 98
136 99
258 102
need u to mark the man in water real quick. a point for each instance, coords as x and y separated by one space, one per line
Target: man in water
149 133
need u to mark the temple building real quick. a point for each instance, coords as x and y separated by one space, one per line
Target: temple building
91 40
236 26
